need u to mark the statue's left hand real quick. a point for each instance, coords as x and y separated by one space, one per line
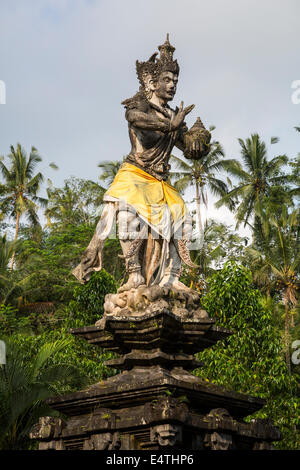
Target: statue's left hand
196 147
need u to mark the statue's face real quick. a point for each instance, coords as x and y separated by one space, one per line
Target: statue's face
165 87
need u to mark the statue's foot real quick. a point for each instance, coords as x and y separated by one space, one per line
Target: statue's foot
174 283
135 280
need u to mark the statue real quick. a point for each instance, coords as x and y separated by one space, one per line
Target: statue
154 224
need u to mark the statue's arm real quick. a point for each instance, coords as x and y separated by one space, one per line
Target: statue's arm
194 143
180 138
146 121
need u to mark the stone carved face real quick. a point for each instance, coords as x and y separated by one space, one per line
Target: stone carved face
167 434
164 87
218 441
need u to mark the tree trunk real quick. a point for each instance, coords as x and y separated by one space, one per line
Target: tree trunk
286 333
16 236
293 321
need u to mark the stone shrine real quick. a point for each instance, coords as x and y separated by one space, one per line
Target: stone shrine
155 402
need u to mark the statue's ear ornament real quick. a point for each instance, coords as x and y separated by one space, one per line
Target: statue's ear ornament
148 81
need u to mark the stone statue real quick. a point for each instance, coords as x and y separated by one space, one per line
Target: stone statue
153 222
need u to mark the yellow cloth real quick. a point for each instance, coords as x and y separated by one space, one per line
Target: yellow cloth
150 197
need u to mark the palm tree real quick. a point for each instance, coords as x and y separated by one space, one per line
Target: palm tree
18 195
109 170
70 204
255 177
24 387
278 264
294 176
201 175
7 283
7 248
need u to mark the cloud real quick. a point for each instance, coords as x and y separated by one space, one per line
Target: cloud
68 64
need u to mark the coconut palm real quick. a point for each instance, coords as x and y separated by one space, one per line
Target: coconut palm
18 194
255 176
294 177
201 175
25 385
109 170
277 265
7 248
70 204
7 283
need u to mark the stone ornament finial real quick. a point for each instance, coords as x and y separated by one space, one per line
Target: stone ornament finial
197 133
166 51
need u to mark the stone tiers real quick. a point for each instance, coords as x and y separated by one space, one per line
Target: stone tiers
155 402
158 338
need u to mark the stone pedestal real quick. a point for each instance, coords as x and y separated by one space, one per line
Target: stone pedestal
155 403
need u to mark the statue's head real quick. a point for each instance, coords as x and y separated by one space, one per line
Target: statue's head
159 75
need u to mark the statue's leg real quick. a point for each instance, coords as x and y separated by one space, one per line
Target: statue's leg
129 223
173 269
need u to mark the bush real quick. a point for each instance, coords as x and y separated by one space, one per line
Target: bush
88 304
11 322
251 360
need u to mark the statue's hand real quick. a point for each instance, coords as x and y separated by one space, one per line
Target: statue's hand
178 119
196 148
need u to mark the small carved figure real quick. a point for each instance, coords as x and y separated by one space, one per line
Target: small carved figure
104 441
218 441
166 434
166 408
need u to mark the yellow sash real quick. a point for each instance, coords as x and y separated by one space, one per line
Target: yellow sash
150 197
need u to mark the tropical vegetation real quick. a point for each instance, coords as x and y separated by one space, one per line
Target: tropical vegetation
249 284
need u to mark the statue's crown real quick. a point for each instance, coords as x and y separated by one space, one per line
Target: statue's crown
154 66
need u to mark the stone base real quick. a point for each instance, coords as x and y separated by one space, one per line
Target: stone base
151 409
155 403
157 338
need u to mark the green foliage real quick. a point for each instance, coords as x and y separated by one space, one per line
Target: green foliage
74 204
88 359
18 195
46 265
87 307
26 381
201 174
220 244
111 251
255 177
251 360
109 169
11 322
7 247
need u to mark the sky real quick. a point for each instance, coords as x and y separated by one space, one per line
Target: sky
68 64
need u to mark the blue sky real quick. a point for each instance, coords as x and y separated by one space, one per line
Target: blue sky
68 64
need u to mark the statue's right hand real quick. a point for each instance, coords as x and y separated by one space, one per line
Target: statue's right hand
178 119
